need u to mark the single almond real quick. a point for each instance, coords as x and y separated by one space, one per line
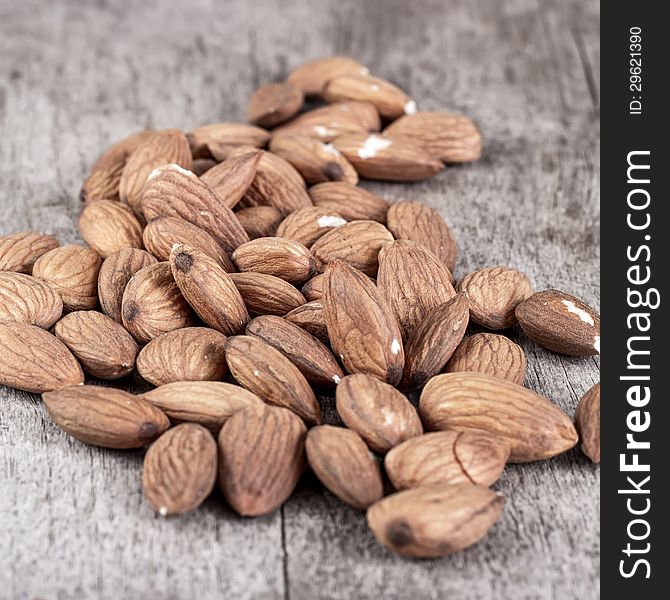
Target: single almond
587 420
310 317
307 225
231 178
276 256
491 354
19 251
311 77
260 221
225 134
25 299
350 202
313 288
274 103
267 294
108 226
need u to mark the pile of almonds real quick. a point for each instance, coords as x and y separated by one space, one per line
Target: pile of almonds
244 283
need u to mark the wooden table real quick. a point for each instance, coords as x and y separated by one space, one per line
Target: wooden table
76 76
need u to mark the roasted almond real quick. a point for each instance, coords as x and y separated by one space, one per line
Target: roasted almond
446 457
276 256
434 520
33 360
106 417
72 271
307 225
534 427
311 318
491 354
225 135
231 178
19 251
152 304
311 77
587 421
256 478
102 346
343 463
108 226
389 100
274 103
188 354
266 294
179 470
25 299
560 322
259 221
270 375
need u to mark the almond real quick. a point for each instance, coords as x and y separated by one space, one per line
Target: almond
72 271
491 354
179 470
494 294
419 222
587 421
389 159
159 148
102 346
266 372
307 225
313 359
313 288
389 100
381 415
209 403
259 221
173 192
152 304
434 520
19 251
449 137
357 243
109 226
274 103
343 463
560 322
231 179
106 417
311 77
225 134
266 294
310 317
350 202
433 342
202 165
33 360
414 282
188 354
256 478
362 329
276 256
315 161
25 299
446 457
114 275
534 427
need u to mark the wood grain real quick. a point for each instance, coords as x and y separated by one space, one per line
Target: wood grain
75 77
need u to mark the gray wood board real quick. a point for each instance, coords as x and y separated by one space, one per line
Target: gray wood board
76 76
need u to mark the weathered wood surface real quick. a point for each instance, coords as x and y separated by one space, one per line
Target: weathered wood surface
76 76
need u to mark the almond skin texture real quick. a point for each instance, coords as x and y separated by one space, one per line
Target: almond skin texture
494 294
209 403
350 202
433 342
413 281
25 299
266 294
19 251
560 322
274 103
108 226
491 354
311 77
419 222
446 457
315 161
434 520
152 304
313 359
587 420
387 159
381 415
261 457
33 360
357 243
310 317
72 271
173 192
276 256
313 288
266 372
208 289
162 233
114 275
451 138
225 135
260 221
343 463
231 178
307 225
535 428
362 329
179 470
102 346
105 417
160 148
188 354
